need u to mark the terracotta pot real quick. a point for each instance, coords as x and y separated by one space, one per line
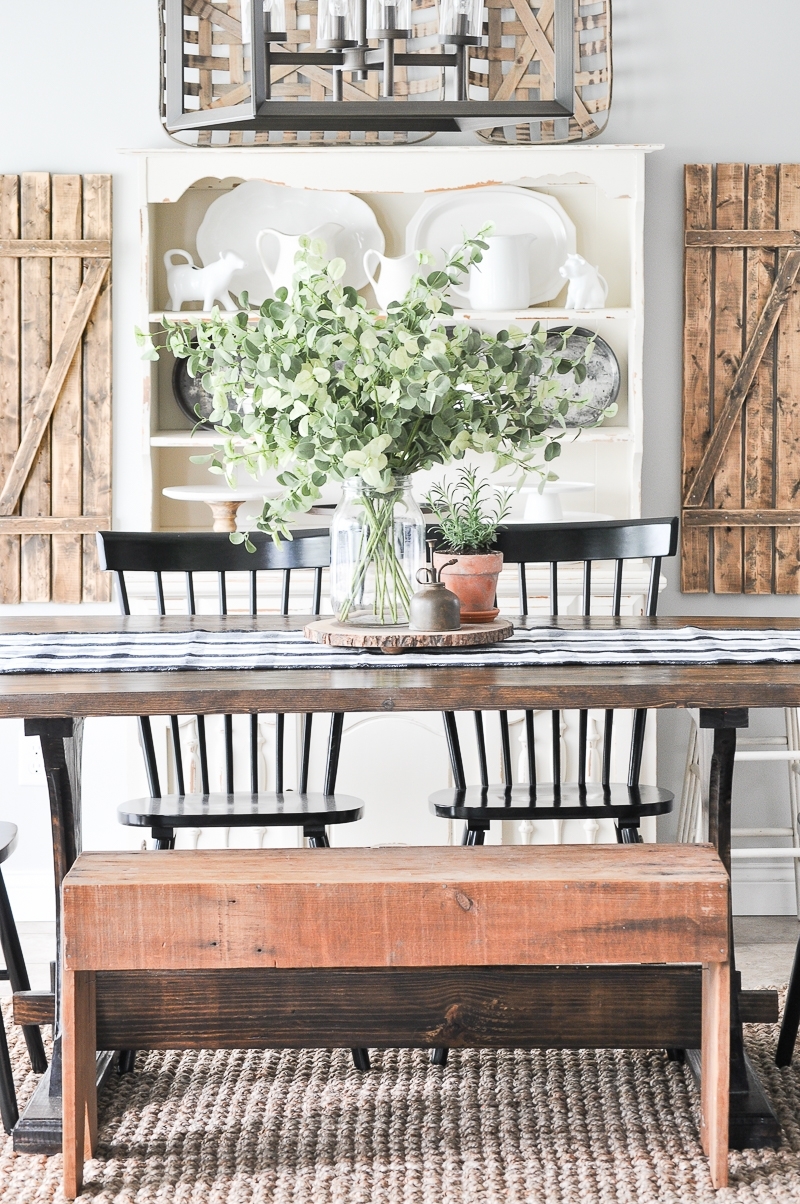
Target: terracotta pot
473 579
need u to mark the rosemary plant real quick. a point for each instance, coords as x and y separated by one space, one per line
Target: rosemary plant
468 512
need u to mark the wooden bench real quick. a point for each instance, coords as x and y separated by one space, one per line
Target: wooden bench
219 911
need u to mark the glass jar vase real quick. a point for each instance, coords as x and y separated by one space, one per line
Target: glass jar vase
377 546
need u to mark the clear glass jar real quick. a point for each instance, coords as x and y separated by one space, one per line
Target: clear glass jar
336 23
460 18
387 16
377 545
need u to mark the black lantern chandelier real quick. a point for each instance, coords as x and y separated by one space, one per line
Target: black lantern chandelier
356 41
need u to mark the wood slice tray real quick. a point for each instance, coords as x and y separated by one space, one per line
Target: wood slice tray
403 639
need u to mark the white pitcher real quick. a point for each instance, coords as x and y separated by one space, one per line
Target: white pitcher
502 279
395 277
281 274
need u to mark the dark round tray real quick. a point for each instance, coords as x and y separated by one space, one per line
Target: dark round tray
194 401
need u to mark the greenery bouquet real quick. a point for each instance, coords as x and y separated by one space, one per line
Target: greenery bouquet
321 388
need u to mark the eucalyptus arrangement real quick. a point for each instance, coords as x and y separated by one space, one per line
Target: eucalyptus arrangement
321 388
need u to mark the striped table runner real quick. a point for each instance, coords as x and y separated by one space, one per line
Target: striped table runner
25 652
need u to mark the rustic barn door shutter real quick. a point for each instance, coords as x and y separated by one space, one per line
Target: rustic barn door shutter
55 385
741 379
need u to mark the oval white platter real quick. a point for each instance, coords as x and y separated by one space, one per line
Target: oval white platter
442 220
233 222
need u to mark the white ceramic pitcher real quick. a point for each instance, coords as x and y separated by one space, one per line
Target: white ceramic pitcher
395 276
502 279
281 274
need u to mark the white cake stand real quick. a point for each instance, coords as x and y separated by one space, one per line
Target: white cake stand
223 501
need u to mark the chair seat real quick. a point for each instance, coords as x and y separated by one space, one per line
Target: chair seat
240 810
546 801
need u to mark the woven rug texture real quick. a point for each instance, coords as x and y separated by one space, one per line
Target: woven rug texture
493 1127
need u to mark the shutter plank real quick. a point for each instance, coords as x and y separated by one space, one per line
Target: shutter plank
67 421
9 376
97 392
35 502
728 349
758 414
695 559
787 426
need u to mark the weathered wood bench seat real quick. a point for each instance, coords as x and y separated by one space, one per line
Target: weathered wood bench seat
276 910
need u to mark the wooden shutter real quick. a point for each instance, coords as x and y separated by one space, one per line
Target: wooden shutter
741 379
55 385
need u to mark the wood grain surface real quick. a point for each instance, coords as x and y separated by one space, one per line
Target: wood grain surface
55 385
43 404
519 905
9 375
759 446
741 238
96 467
36 350
52 248
715 1078
697 288
741 351
576 1007
787 390
67 421
78 1083
340 635
728 330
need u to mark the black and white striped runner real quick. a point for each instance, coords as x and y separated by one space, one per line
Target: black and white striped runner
128 652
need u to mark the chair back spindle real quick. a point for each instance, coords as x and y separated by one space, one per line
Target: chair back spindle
191 553
555 544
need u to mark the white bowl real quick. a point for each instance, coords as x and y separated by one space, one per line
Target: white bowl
545 506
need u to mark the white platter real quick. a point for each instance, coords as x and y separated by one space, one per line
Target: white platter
442 220
232 223
217 493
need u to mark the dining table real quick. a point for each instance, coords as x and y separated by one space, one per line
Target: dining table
517 1006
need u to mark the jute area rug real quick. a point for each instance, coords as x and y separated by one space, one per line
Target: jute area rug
507 1127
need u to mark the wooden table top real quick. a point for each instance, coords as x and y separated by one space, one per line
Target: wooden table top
50 695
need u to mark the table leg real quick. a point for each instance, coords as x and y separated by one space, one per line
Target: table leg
39 1129
753 1123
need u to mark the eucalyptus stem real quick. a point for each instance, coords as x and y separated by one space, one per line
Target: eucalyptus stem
392 588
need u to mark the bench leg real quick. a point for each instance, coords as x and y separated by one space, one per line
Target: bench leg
79 1090
715 1079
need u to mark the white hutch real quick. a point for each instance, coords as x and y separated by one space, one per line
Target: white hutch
394 762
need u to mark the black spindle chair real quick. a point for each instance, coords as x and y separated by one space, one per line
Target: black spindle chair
791 1016
189 553
555 544
16 973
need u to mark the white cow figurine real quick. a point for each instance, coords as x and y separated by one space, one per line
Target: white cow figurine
587 288
186 282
